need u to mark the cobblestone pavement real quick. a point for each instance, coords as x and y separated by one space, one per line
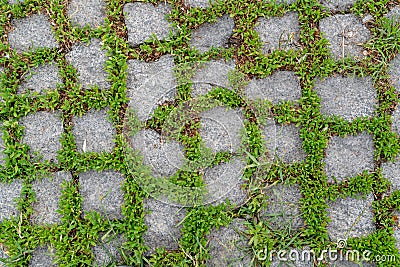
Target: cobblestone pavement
199 133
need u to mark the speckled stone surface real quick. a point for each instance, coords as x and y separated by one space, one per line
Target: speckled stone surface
102 192
220 128
394 72
349 156
280 86
214 34
2 146
144 19
94 132
15 1
350 217
3 254
214 73
283 207
41 78
346 34
47 194
227 245
338 5
396 120
43 256
2 70
200 3
391 171
396 229
225 181
283 142
279 33
150 84
163 222
32 32
87 12
9 192
394 14
164 157
347 97
89 61
42 134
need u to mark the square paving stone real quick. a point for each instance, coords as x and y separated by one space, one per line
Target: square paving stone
280 86
347 97
1 82
221 127
162 220
108 250
227 246
279 33
1 74
90 61
213 74
394 14
41 78
3 254
2 146
225 181
391 171
150 84
350 217
394 72
87 12
396 120
15 1
200 3
338 5
165 157
283 208
94 132
9 192
42 133
102 192
283 142
48 194
396 229
397 237
144 19
43 257
349 156
346 34
31 32
214 34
